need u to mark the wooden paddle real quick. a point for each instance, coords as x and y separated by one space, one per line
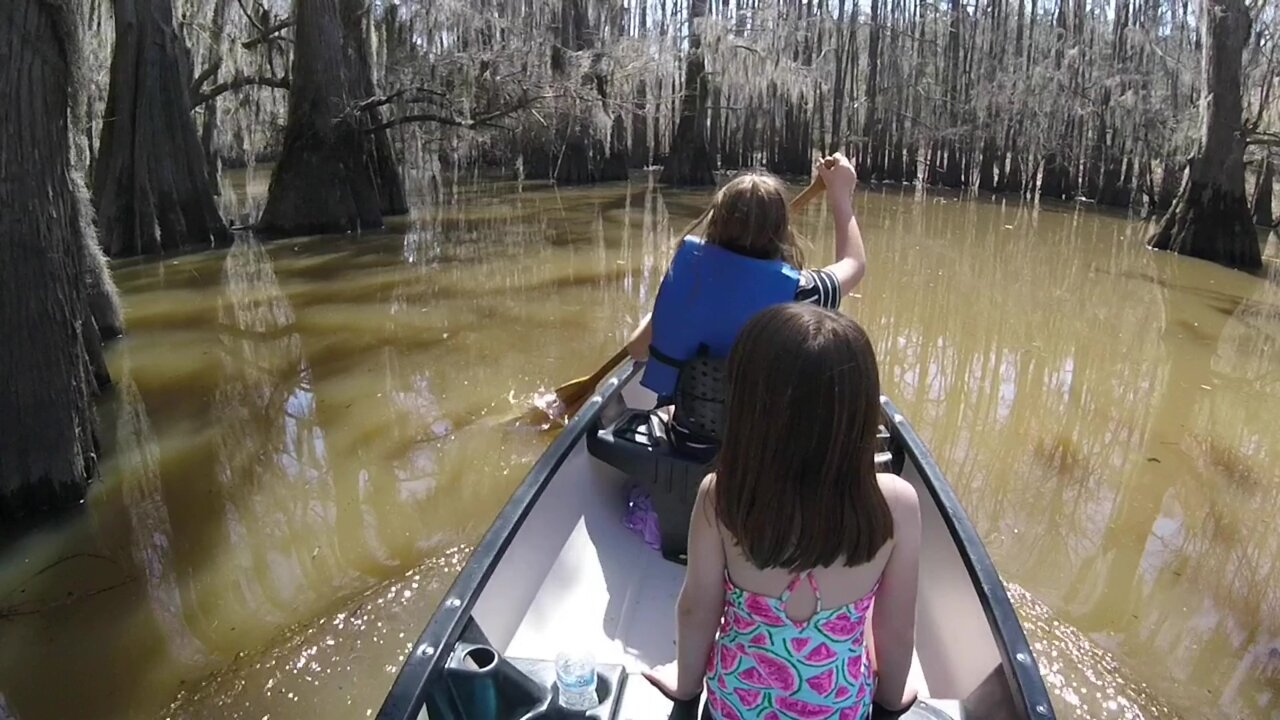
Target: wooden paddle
574 393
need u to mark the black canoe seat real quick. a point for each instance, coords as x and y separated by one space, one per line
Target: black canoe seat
637 444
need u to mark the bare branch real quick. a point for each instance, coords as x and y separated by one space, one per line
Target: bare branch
1258 137
408 95
238 83
485 119
249 16
268 34
204 77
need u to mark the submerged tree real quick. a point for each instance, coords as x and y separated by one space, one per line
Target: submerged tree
56 299
152 189
332 176
1210 218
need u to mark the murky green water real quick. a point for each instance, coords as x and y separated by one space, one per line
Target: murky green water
306 437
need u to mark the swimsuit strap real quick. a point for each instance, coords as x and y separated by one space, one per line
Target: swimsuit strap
817 594
813 585
790 586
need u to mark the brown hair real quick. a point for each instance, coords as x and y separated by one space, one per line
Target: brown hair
795 478
751 217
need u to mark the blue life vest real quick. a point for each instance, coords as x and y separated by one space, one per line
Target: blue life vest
706 297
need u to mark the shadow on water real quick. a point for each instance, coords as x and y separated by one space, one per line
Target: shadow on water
299 452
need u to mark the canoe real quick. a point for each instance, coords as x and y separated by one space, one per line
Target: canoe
558 569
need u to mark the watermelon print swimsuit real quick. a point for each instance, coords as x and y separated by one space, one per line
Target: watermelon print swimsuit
767 666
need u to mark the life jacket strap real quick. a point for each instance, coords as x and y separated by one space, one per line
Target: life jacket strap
664 358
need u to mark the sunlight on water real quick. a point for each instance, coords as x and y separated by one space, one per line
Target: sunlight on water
549 404
306 438
1086 681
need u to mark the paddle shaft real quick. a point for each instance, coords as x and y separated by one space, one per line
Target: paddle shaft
595 378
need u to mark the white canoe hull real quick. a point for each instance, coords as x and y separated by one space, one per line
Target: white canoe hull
558 569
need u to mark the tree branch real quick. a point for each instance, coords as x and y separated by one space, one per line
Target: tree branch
485 119
409 95
267 34
1258 137
204 77
249 16
238 83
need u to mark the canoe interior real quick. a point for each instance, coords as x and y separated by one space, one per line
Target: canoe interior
569 574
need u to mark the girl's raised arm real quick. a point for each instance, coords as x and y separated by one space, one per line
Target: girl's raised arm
893 621
851 256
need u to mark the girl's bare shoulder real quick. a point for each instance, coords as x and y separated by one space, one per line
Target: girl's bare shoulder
898 493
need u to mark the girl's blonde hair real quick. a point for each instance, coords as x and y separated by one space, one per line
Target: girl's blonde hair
750 216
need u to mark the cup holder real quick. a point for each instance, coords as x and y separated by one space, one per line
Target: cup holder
479 658
487 685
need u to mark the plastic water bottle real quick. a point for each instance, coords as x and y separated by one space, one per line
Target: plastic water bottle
576 679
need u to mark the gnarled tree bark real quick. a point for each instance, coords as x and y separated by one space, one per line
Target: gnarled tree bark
1210 217
151 188
54 288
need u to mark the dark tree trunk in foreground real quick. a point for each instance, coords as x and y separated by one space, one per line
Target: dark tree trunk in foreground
1210 217
331 176
1262 213
151 188
54 289
689 162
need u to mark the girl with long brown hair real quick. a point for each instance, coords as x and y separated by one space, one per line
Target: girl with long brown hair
796 537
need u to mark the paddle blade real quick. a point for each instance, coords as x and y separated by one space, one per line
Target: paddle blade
573 394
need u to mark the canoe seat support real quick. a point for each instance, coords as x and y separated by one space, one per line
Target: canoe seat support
636 443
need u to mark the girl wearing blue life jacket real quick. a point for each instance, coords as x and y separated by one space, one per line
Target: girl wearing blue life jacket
739 257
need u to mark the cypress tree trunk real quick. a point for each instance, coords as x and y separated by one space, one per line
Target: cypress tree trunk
209 131
952 174
871 165
1210 218
1262 213
911 166
327 178
151 188
838 82
53 281
987 166
379 158
1012 180
893 171
1054 182
689 160
641 150
1168 190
